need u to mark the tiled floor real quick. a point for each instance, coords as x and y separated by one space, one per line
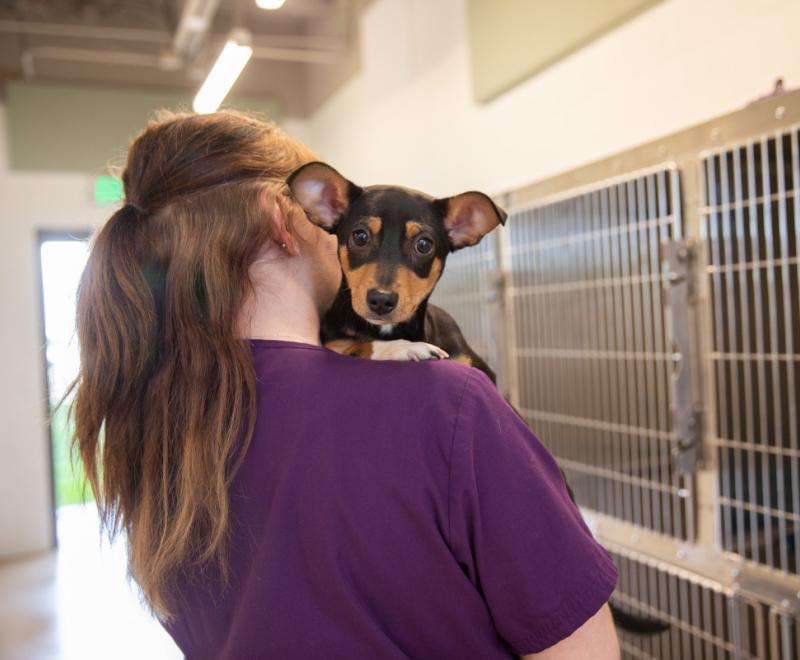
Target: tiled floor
76 604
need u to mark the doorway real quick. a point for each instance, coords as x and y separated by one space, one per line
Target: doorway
94 605
62 258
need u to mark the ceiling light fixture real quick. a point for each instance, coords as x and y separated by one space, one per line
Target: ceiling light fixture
269 4
223 74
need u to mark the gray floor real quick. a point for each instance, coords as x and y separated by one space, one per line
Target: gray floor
76 603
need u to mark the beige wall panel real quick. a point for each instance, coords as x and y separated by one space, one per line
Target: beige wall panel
512 40
61 128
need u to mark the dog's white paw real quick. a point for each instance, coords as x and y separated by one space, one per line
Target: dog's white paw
402 349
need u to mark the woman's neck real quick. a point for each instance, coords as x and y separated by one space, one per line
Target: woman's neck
281 307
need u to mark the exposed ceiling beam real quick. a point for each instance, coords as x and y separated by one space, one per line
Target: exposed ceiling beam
85 31
296 54
318 42
91 55
122 58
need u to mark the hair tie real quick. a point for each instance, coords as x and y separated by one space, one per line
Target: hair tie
136 207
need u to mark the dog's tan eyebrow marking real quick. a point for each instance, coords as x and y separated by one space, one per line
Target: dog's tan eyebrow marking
375 224
344 258
413 228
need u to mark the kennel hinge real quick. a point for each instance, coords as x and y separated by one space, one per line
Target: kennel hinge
680 262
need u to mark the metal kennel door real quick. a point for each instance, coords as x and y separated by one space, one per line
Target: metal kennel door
643 314
591 346
751 218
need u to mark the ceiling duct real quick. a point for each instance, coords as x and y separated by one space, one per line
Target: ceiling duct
193 27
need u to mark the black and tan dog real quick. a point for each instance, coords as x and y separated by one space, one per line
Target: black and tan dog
393 244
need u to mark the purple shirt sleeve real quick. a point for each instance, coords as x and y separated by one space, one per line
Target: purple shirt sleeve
515 531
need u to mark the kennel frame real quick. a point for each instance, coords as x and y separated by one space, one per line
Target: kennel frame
702 555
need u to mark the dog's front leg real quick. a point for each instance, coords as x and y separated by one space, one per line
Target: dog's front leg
393 349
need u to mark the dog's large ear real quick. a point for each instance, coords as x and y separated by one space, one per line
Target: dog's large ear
468 217
324 194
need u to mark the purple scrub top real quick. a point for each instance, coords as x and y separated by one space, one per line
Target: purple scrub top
391 510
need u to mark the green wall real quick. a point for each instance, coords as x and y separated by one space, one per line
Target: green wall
60 128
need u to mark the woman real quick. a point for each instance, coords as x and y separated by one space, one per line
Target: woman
284 501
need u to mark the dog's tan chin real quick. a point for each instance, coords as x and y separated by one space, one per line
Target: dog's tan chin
392 319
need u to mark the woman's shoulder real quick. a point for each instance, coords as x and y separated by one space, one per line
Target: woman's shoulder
408 385
446 390
433 378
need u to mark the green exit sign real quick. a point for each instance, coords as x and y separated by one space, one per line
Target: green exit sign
108 190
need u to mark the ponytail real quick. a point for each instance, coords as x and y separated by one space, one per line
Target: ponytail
117 317
164 402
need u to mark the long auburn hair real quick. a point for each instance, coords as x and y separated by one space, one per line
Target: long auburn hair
164 401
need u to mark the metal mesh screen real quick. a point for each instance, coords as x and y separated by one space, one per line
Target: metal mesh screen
751 217
466 291
707 621
592 349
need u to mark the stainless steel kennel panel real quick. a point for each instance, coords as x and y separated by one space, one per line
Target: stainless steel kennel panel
667 386
751 218
708 621
591 344
469 291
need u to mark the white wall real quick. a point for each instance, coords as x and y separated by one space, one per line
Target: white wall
28 202
408 116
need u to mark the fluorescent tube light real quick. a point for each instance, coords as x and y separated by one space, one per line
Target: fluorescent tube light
224 73
269 4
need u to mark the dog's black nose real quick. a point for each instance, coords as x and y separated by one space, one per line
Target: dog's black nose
381 302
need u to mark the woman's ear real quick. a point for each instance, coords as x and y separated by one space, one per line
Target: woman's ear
324 194
468 217
279 229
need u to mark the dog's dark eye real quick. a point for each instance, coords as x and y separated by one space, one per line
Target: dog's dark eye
360 238
423 245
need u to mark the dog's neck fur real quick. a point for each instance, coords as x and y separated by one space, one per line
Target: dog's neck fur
341 320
